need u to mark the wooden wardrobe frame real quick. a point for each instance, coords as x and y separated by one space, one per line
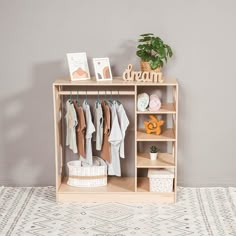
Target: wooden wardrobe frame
119 189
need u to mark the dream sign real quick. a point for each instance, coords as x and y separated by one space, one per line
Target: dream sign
146 76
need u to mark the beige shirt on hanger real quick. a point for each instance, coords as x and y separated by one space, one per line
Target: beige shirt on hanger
71 123
80 129
88 135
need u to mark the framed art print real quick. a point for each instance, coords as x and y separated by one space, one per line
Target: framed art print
78 66
102 69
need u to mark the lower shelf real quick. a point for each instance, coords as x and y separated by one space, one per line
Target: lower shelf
118 190
115 184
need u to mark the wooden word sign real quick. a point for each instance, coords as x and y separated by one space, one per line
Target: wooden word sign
139 76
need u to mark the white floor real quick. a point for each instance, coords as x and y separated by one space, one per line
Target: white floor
199 211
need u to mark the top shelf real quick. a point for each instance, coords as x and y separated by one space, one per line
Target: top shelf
117 81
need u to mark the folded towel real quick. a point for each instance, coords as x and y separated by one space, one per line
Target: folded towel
154 103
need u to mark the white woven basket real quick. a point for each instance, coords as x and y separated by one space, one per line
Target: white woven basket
87 176
160 180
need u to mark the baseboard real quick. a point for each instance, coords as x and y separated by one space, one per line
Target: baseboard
197 182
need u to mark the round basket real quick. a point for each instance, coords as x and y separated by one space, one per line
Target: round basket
145 66
87 176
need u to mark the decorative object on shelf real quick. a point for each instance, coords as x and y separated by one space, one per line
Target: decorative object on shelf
153 125
78 66
102 69
160 180
143 101
130 75
154 103
153 52
153 152
83 175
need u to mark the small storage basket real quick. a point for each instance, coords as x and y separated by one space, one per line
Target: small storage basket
160 180
87 176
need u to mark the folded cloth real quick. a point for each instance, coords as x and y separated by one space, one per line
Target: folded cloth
154 103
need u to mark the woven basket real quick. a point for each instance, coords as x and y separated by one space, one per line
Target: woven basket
87 176
145 66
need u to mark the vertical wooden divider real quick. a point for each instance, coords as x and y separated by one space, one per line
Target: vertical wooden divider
135 135
176 98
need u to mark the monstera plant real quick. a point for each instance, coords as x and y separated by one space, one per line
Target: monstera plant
153 52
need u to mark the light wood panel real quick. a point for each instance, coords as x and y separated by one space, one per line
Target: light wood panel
166 108
138 197
143 186
135 137
166 135
164 160
115 184
116 81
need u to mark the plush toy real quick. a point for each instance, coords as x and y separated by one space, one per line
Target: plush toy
153 125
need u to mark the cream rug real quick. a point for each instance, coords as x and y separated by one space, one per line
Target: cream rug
199 211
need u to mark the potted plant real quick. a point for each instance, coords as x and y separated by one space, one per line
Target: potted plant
154 152
153 52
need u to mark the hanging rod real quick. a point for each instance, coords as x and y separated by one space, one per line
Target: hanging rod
96 92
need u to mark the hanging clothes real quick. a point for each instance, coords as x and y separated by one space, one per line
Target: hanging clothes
105 151
124 123
80 129
88 135
98 122
71 123
115 139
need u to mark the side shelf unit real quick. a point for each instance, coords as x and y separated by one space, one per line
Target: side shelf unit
132 187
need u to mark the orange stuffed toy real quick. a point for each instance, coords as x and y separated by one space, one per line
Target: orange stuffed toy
153 125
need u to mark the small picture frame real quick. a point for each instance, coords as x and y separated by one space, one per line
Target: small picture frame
102 69
78 66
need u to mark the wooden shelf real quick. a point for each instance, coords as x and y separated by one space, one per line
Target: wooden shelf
143 186
164 160
166 108
119 189
115 184
117 81
166 135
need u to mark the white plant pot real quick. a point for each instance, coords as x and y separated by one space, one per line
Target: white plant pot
153 156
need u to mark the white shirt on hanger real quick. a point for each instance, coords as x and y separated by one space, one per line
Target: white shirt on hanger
124 123
115 139
71 123
88 135
98 122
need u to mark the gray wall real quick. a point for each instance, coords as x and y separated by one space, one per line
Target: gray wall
36 35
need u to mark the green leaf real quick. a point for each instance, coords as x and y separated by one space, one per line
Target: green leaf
139 53
154 64
162 52
141 46
141 40
145 39
146 34
169 50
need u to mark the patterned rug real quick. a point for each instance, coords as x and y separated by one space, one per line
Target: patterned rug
199 211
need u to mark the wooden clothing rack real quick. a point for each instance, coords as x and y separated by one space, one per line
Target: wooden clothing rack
134 184
96 93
